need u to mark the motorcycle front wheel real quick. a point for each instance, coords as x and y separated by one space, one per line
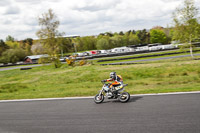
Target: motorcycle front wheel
98 99
124 97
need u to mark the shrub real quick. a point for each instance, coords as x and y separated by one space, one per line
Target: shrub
56 62
82 62
71 62
13 56
43 60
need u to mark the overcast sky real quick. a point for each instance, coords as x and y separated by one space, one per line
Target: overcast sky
18 18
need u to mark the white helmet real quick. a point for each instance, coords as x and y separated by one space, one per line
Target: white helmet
112 75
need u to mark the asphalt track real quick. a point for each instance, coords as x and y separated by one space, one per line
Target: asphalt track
142 114
153 59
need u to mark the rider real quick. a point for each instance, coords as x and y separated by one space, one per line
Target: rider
117 84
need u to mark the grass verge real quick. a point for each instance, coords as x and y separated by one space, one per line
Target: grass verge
142 56
174 75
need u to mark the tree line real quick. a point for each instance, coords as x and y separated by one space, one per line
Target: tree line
110 40
185 29
12 51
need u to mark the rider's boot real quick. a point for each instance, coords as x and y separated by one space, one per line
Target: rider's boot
115 93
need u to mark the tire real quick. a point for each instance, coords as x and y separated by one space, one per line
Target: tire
124 97
98 99
26 68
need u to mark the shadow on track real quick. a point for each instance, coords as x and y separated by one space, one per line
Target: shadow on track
132 99
135 98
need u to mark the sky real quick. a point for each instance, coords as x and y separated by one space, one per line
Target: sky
19 18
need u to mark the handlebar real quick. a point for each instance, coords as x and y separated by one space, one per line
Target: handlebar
125 85
102 82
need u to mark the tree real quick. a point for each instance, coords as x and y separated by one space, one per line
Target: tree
3 46
13 55
158 36
26 45
13 44
85 43
67 45
79 44
121 33
186 24
133 39
167 32
10 38
37 48
125 39
133 31
89 43
144 36
110 34
102 44
49 35
28 41
115 41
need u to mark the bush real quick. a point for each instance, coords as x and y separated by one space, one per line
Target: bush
43 60
82 62
13 56
71 61
56 62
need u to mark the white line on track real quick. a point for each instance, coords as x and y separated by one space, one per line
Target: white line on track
90 97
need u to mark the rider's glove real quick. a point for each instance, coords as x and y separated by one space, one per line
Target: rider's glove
104 80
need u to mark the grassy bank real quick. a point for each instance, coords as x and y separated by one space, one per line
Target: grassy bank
156 77
142 56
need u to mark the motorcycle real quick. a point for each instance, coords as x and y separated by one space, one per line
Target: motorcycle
111 93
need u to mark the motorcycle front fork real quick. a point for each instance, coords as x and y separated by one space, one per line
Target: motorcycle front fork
100 93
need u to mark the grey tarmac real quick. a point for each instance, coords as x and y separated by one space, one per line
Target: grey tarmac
142 114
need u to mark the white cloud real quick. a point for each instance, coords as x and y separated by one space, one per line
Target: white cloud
4 2
85 17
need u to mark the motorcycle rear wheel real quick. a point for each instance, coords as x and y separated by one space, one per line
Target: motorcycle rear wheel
99 99
124 97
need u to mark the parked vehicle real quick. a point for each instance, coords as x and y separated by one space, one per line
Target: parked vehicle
122 50
143 48
102 52
93 52
155 48
169 46
122 95
87 53
78 54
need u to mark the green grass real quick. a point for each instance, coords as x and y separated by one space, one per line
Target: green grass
172 75
118 61
123 59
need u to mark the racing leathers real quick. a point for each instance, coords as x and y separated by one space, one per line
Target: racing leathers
117 84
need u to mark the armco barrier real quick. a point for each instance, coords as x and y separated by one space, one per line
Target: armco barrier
9 65
120 64
144 56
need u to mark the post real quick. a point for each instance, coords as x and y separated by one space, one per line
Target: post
75 47
61 50
62 53
191 46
